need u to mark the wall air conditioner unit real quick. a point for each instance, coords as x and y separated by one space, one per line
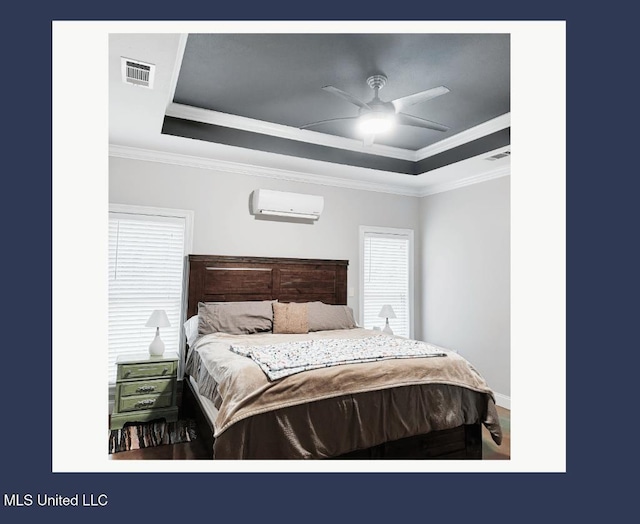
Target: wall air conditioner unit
265 202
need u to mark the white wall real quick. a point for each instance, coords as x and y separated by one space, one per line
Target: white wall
465 264
224 226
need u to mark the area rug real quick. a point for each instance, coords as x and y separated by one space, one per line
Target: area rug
139 436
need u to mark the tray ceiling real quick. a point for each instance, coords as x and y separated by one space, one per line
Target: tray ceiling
256 91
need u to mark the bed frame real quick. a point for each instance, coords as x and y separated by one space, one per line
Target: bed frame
230 279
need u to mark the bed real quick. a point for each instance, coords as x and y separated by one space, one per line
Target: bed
341 392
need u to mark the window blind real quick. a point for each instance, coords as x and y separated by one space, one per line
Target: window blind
386 280
146 257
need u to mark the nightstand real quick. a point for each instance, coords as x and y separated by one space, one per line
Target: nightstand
146 389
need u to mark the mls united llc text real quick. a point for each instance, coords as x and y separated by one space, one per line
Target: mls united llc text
42 499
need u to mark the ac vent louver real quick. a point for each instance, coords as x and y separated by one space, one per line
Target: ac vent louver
499 156
137 73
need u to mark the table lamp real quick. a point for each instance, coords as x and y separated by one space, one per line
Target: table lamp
157 320
387 312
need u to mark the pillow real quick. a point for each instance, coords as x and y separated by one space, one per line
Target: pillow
191 330
328 316
235 318
290 318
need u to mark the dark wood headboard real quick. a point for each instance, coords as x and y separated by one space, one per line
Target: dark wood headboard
214 278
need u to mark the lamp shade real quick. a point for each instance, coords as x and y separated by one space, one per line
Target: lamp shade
158 319
387 312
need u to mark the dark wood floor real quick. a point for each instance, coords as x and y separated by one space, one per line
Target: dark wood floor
184 451
196 451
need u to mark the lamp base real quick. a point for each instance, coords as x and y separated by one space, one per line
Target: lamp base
387 328
156 348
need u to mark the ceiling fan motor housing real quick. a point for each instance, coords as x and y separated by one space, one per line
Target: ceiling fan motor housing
376 116
377 81
377 106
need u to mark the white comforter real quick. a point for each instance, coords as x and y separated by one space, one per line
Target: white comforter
287 358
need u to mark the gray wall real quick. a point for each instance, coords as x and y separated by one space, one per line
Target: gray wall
224 226
465 262
461 244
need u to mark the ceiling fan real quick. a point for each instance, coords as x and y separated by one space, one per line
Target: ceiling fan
376 116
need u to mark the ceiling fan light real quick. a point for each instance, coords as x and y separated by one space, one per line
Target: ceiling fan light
374 124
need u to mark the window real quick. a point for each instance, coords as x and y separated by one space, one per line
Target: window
386 277
146 258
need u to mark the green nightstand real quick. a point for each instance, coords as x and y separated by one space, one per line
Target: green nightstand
146 389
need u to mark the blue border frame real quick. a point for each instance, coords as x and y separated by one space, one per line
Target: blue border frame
599 38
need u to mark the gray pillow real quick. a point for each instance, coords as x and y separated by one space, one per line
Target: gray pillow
235 318
322 317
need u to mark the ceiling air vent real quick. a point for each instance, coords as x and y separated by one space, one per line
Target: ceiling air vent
498 156
137 73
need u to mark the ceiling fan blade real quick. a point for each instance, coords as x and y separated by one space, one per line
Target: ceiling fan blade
346 96
329 121
410 120
409 100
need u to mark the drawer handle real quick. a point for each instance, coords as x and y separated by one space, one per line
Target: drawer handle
165 371
127 374
148 402
145 389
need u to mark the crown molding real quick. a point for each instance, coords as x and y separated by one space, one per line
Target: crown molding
253 170
484 129
224 166
206 116
457 184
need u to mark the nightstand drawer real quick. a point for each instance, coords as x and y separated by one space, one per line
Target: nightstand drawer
146 370
146 387
139 402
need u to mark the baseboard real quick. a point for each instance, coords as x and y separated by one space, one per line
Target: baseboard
503 401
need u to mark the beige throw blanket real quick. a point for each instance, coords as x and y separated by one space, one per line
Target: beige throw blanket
240 389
